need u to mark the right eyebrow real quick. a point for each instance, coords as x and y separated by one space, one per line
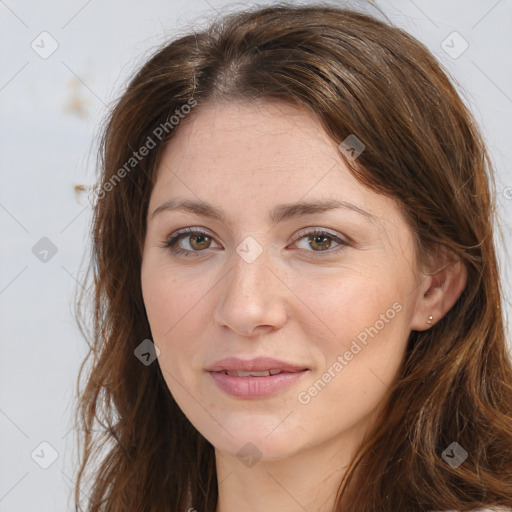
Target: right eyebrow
278 214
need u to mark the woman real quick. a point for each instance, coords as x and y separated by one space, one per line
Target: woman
297 297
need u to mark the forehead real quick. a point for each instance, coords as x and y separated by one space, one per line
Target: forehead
248 157
261 144
237 131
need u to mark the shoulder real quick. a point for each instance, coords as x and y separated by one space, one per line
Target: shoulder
486 509
494 509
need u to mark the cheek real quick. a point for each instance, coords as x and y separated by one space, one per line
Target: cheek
365 337
361 363
351 302
172 300
175 304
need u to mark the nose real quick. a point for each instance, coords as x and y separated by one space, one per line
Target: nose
252 298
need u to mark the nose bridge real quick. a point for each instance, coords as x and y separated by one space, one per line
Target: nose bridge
251 294
250 262
249 275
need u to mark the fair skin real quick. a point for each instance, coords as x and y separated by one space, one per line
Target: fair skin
302 300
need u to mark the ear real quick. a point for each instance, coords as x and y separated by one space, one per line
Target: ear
444 282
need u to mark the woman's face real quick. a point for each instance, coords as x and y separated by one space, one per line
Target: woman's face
338 304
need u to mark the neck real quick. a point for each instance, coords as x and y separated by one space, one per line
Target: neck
305 481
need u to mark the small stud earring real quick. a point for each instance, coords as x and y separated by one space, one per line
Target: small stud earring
429 321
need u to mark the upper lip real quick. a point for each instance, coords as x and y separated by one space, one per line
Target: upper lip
257 364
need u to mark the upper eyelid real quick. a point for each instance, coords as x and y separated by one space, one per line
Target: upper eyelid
300 232
184 232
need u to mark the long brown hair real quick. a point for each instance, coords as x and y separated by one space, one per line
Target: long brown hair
422 147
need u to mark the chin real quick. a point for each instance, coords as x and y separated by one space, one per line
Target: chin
251 438
252 450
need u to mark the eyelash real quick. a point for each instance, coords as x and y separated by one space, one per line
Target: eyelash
170 242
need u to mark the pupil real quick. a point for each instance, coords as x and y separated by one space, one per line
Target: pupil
198 239
317 239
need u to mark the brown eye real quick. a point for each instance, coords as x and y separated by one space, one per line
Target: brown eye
198 241
319 241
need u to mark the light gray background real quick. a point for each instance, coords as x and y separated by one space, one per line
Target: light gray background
50 111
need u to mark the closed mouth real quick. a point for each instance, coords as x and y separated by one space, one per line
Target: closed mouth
262 373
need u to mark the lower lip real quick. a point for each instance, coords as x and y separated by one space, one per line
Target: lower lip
255 387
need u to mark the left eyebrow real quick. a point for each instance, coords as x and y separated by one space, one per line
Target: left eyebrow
278 214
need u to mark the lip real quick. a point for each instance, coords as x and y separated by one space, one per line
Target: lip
256 364
255 387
